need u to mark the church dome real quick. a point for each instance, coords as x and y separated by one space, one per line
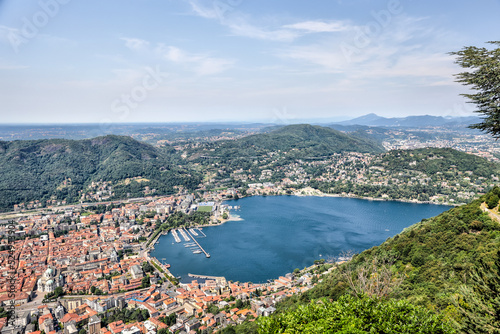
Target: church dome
49 272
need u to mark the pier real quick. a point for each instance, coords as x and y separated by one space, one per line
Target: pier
205 276
199 230
176 237
193 232
206 254
183 233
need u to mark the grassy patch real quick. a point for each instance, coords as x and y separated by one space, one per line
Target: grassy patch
205 209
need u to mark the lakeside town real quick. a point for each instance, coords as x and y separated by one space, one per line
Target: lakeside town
86 267
75 270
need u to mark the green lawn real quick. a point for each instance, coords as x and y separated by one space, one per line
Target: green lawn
205 208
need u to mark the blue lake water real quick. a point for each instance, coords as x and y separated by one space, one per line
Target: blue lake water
280 233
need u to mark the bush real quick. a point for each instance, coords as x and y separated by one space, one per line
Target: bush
356 315
417 260
493 201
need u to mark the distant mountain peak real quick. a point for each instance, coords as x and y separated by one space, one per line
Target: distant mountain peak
373 119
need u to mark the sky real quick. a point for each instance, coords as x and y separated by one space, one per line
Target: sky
275 61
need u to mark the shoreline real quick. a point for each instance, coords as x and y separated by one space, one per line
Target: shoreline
382 199
230 218
317 193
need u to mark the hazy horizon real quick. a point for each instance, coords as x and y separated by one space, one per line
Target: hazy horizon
314 121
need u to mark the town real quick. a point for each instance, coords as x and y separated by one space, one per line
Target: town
86 269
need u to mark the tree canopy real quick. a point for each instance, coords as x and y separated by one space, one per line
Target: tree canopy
483 76
356 315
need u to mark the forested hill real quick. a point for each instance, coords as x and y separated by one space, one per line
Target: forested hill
60 169
300 140
449 264
436 160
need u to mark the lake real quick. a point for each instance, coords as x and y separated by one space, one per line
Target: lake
277 234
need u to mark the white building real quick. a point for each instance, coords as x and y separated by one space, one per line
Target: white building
50 280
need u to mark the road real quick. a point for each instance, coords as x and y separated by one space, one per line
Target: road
493 215
16 214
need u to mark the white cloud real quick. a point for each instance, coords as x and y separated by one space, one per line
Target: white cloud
135 43
200 10
200 63
242 28
238 24
328 58
407 53
173 53
209 66
319 26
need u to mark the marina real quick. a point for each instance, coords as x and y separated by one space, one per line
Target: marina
184 235
176 237
201 232
201 248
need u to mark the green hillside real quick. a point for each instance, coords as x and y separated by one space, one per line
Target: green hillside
355 316
301 140
449 264
436 160
36 170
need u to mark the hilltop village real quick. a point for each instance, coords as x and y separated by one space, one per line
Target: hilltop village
87 269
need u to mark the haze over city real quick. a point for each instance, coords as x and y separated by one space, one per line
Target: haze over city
234 60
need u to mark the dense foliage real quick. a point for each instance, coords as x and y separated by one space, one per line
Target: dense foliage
59 168
439 258
436 161
125 315
300 141
479 302
356 315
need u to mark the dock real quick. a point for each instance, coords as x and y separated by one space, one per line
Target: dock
193 232
176 237
206 253
183 233
199 230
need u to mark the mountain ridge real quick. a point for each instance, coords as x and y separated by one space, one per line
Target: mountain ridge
373 119
35 170
303 140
